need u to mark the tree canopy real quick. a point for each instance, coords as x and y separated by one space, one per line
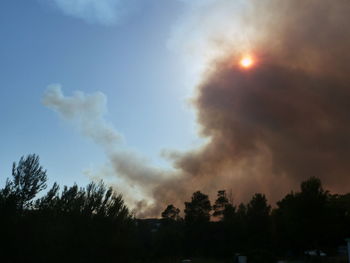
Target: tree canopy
198 210
93 224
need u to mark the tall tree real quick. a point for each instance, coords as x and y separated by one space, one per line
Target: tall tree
221 203
302 218
258 208
198 210
28 179
171 213
258 221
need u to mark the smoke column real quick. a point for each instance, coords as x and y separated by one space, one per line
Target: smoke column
286 118
131 174
267 128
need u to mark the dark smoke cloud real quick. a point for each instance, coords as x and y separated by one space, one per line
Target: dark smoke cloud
285 119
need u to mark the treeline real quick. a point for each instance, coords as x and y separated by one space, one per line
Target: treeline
92 224
311 219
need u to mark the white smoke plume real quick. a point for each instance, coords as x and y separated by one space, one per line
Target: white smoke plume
86 112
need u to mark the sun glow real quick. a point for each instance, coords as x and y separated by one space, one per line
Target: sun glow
246 62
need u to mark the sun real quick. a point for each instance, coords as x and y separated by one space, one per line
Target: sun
246 62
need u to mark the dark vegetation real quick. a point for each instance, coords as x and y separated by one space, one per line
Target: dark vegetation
92 224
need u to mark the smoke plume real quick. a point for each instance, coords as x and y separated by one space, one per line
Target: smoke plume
136 176
286 118
267 127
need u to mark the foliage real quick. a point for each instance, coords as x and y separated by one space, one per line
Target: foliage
28 179
172 213
93 224
198 210
78 224
221 203
305 214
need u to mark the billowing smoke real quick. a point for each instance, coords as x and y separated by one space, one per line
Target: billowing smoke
267 127
287 117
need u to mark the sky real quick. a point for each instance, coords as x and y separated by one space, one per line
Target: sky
153 97
91 48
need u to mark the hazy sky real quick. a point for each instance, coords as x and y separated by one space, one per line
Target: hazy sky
119 48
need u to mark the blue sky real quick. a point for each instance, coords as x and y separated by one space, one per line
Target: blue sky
126 57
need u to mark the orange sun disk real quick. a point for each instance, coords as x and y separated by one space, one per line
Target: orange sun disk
246 62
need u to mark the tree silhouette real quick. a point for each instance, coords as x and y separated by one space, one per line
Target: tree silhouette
198 210
50 200
171 213
258 222
93 224
222 207
28 179
229 214
303 217
258 208
90 224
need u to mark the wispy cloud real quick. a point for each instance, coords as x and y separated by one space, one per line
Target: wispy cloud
106 12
